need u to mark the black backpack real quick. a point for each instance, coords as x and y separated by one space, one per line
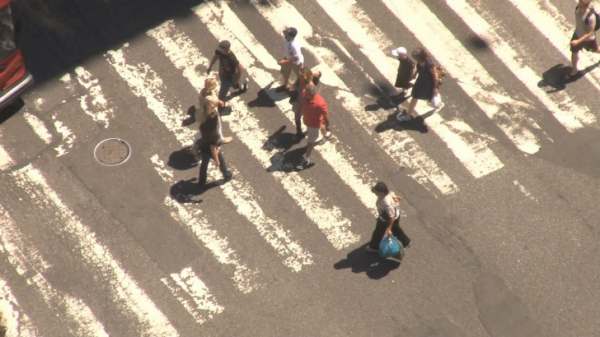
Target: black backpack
597 16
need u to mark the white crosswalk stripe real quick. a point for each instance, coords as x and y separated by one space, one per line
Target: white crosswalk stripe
189 287
28 263
552 24
509 114
250 52
401 147
126 293
472 151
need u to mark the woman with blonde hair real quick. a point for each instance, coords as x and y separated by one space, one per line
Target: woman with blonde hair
207 113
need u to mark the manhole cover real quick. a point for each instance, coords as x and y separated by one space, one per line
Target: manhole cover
112 152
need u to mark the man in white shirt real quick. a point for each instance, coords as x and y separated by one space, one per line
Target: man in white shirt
293 60
584 36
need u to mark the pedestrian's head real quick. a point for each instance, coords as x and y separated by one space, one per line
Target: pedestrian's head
400 53
290 33
210 84
310 90
380 189
421 55
307 75
224 46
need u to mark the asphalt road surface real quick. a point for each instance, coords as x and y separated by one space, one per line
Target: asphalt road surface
103 231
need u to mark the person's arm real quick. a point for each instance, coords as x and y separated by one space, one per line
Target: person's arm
214 152
325 114
212 62
591 24
436 78
390 222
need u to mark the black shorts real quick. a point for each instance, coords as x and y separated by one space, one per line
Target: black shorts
590 45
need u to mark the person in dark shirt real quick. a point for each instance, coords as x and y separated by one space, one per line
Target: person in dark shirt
427 83
209 149
406 69
230 70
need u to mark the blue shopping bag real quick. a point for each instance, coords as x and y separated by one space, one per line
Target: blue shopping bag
390 247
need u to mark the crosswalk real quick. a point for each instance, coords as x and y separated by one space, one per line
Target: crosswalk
467 142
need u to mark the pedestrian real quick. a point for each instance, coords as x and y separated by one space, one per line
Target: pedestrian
584 37
207 113
426 86
211 149
406 69
293 61
231 71
316 117
308 76
388 221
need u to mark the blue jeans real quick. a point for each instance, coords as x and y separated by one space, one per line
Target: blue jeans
206 157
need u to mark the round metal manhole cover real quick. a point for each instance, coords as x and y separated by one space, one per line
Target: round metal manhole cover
112 152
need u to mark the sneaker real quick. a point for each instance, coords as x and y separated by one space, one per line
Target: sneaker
403 117
227 176
371 250
300 135
304 164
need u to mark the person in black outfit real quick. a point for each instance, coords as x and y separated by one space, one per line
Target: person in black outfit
426 85
388 221
230 70
209 150
406 69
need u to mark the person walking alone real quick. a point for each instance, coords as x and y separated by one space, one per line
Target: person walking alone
388 221
584 36
230 70
293 61
426 86
316 117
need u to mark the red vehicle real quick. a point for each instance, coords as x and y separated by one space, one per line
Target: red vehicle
14 77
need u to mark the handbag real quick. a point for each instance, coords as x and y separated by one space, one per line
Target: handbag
390 247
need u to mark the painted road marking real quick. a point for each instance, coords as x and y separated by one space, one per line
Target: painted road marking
28 263
193 294
565 109
125 291
146 83
251 53
93 103
38 126
329 220
400 147
193 219
552 24
472 151
510 115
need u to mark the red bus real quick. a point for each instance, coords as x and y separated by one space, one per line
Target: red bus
14 77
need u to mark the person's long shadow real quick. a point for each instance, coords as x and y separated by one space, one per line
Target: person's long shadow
557 77
361 261
182 159
267 96
415 124
385 97
284 160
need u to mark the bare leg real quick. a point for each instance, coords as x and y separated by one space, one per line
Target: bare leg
411 107
574 61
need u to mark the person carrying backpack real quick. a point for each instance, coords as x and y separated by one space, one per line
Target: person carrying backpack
587 22
388 221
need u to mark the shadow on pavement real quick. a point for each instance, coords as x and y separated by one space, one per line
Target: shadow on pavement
183 159
557 77
361 261
391 123
57 35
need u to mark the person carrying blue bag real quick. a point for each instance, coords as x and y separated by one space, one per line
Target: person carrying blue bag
388 221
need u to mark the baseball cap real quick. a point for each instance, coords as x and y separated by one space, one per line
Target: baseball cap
399 51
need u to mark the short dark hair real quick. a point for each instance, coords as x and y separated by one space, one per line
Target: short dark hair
381 187
291 31
225 45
